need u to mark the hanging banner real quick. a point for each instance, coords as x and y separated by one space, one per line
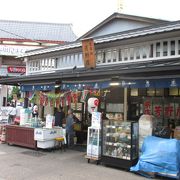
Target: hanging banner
84 85
44 87
88 50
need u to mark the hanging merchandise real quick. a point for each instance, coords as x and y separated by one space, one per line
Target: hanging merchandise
51 102
84 95
41 99
45 101
62 102
74 96
68 99
57 102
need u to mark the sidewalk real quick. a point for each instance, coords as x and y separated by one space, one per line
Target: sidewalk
17 163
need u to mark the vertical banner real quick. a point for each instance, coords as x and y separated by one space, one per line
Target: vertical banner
89 53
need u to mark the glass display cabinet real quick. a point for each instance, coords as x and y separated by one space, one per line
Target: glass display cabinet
94 142
119 143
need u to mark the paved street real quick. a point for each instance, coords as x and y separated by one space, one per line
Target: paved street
17 163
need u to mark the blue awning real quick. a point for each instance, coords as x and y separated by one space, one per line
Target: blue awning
44 87
84 85
153 83
145 83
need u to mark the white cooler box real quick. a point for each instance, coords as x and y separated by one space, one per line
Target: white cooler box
42 134
46 144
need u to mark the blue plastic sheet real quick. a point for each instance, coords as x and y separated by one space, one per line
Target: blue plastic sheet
160 156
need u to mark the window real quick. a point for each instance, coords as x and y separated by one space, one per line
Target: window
165 47
108 56
114 55
179 47
125 54
131 53
137 52
160 92
172 47
144 52
99 57
151 92
120 55
151 51
158 49
155 92
173 91
134 91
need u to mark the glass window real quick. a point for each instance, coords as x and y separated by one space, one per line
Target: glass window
165 47
173 91
131 53
137 52
99 57
158 49
53 63
125 54
155 92
120 55
145 51
151 92
114 55
179 47
108 56
172 47
134 91
151 51
160 92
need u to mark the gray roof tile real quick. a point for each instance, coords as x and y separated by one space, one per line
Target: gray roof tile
36 31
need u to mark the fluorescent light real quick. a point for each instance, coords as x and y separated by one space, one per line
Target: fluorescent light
114 83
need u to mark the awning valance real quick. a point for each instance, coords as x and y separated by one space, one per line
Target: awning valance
139 83
42 87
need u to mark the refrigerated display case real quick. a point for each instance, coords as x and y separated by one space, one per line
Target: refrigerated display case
119 143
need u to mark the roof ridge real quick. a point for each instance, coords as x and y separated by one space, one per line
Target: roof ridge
34 22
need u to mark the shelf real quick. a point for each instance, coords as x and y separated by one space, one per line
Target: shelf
119 157
115 144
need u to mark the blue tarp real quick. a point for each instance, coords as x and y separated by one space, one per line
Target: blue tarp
160 156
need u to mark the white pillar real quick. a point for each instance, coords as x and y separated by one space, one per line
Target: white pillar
125 104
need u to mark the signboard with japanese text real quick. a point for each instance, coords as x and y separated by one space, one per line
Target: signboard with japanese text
89 53
12 69
15 50
164 109
147 106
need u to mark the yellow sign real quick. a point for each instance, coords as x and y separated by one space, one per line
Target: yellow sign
89 53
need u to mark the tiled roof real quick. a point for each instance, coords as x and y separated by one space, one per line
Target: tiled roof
36 31
167 27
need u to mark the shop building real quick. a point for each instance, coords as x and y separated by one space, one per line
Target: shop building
141 54
16 37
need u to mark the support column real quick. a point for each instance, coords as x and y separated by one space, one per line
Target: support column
125 104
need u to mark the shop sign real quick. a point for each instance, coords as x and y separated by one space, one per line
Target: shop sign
88 50
147 107
161 109
12 50
12 69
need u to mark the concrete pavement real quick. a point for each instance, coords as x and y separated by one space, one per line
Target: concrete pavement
17 163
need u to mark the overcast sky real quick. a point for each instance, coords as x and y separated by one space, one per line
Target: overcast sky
85 14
